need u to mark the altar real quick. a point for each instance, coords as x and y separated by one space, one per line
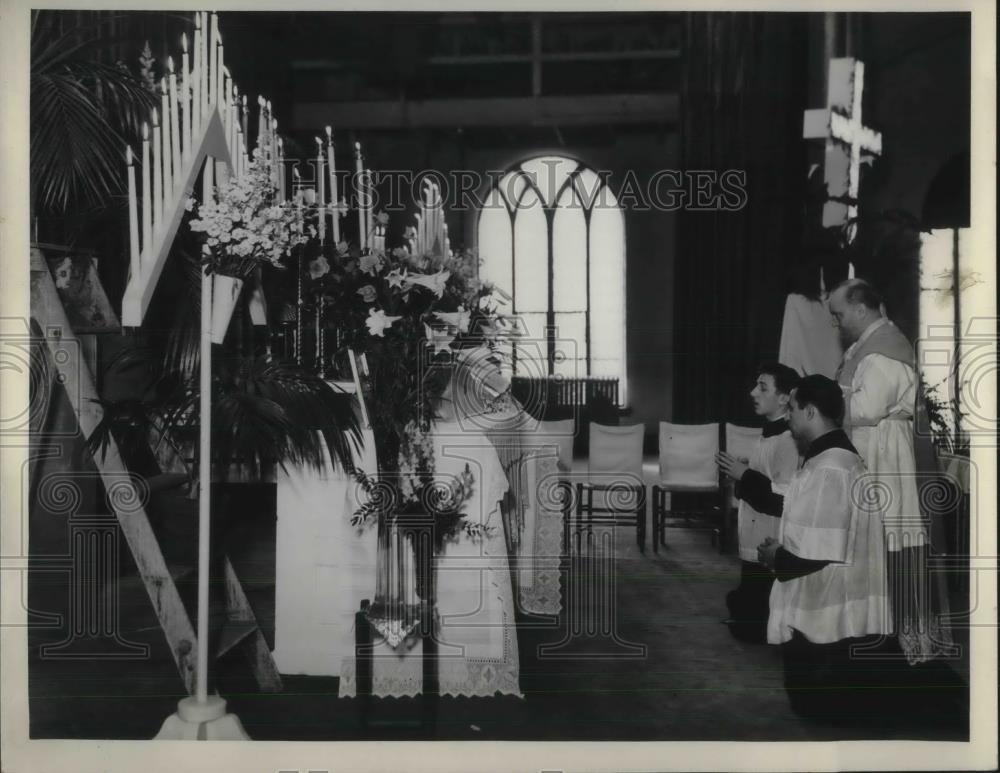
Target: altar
326 567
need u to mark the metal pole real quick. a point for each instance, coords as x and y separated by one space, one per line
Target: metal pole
204 472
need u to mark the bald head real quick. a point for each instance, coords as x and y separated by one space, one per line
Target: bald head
855 305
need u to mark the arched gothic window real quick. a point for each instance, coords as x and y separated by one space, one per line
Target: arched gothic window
552 236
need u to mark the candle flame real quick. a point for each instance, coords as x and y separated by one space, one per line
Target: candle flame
357 146
128 155
319 142
145 131
170 65
329 133
156 119
184 42
260 100
197 21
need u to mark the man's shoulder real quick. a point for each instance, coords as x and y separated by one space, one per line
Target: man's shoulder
837 459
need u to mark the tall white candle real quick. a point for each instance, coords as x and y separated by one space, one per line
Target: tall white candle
157 172
280 165
168 186
359 186
332 172
320 190
275 153
369 201
213 59
196 76
175 139
420 229
187 126
220 87
261 123
205 65
244 118
224 92
147 198
133 217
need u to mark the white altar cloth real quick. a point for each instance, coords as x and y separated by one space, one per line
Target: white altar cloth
325 567
477 641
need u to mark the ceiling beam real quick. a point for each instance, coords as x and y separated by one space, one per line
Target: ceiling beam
657 108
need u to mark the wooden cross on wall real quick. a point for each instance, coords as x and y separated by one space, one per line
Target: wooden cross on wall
839 124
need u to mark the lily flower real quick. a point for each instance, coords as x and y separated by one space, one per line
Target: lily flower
433 282
439 339
378 322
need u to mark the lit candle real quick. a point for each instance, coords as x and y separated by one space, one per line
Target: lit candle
175 137
244 118
359 186
196 76
320 190
369 200
133 217
332 171
224 92
213 56
187 126
282 180
261 123
238 160
420 229
220 94
157 172
204 65
165 137
234 110
275 153
147 206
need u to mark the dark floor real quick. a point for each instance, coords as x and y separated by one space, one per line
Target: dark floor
671 672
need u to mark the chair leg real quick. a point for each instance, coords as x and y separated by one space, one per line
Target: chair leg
640 520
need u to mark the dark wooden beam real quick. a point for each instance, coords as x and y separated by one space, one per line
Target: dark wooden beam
505 111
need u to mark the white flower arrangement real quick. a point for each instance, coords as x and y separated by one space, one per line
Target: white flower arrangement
244 224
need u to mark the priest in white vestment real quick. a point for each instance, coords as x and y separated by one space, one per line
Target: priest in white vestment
879 382
830 596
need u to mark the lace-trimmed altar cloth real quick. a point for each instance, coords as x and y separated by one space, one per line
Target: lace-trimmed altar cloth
477 649
531 508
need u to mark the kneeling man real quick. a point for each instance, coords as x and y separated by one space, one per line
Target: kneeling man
829 561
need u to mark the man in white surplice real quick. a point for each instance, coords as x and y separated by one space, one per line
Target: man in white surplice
879 382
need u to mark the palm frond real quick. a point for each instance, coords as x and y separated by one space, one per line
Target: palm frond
81 111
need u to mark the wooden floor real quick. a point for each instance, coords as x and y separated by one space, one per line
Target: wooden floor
667 670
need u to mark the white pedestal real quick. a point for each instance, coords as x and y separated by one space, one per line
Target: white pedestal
202 721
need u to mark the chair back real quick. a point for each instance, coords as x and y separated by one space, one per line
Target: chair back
616 448
687 456
741 441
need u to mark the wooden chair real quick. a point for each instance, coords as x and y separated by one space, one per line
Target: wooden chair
615 460
687 466
740 442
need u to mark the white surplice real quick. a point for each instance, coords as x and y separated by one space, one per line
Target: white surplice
880 425
822 520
